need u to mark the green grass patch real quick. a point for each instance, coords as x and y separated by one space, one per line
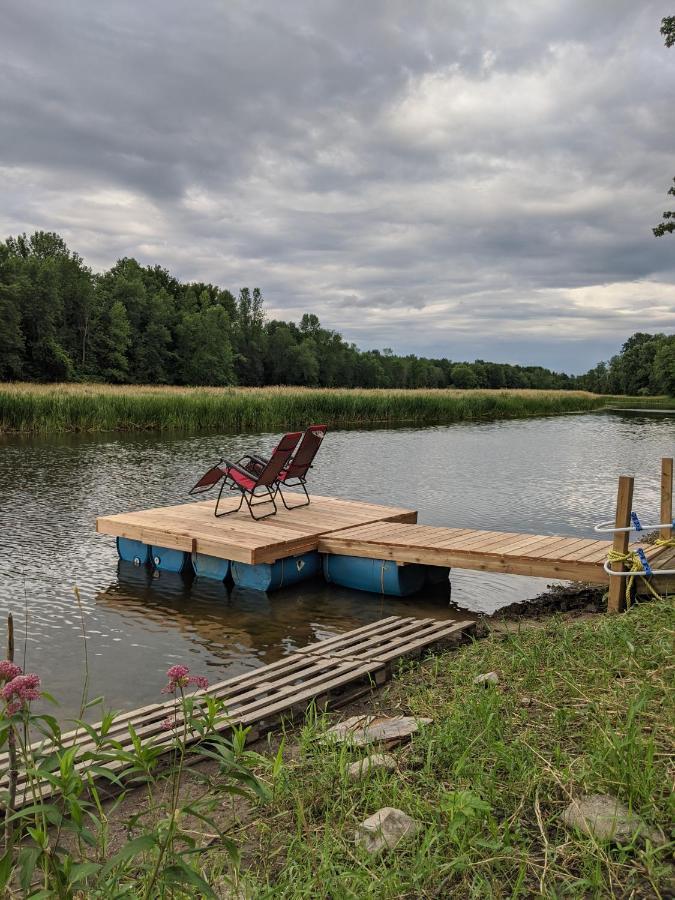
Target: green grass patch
581 707
33 408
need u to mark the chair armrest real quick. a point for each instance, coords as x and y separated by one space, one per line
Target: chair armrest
240 469
261 460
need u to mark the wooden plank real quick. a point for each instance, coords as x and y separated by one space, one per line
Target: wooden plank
424 641
477 539
593 553
526 542
666 505
566 548
624 504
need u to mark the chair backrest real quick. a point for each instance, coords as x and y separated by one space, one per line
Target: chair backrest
280 456
309 447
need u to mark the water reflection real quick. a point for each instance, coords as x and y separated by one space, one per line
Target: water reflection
554 475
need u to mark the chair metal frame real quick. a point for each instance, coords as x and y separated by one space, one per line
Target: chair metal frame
294 473
236 477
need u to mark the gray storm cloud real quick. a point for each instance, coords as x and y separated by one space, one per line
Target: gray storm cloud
457 178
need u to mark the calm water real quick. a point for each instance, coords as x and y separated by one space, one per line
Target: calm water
554 475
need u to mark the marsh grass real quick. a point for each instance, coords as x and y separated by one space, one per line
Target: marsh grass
582 707
37 408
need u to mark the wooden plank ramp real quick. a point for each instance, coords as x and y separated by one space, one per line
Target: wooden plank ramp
193 528
545 556
328 673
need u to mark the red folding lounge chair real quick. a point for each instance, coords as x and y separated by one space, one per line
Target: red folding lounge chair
246 482
294 474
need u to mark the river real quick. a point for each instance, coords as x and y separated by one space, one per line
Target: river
550 476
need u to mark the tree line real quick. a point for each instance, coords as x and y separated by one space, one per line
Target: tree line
134 324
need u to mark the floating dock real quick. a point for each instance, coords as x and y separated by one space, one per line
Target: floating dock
327 673
192 528
381 549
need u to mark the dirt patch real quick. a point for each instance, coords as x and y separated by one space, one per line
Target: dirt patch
565 598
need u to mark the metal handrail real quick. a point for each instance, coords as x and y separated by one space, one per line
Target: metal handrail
602 527
647 572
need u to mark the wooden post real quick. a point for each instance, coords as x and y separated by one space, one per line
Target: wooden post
624 506
666 498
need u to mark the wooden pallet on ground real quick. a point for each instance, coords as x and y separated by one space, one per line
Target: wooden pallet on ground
329 672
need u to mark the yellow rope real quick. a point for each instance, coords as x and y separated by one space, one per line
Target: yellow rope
636 569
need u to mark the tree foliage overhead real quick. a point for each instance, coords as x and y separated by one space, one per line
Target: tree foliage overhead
139 325
667 226
668 30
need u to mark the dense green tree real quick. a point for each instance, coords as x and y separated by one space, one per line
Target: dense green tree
139 324
250 338
203 347
663 378
110 342
11 337
463 376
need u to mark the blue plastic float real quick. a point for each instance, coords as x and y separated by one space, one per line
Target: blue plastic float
167 560
272 576
210 566
135 552
379 576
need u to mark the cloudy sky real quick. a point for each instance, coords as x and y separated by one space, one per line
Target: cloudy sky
467 178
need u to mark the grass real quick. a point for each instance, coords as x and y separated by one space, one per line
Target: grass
581 707
37 408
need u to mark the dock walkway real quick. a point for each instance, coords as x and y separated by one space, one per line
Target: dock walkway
546 556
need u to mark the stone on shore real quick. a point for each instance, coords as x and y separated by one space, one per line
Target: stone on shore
487 678
362 730
363 767
386 829
607 819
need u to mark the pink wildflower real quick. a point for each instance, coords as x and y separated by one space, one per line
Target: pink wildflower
167 724
21 690
9 670
179 677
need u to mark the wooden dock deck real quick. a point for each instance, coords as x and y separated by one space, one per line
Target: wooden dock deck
192 527
327 673
366 530
546 556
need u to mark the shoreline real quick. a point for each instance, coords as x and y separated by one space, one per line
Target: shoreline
517 751
28 408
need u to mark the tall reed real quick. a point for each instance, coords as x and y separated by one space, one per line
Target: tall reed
35 408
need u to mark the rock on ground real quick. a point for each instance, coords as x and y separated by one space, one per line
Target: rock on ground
385 829
487 678
363 767
607 819
361 730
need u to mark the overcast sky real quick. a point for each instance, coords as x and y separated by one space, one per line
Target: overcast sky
467 179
